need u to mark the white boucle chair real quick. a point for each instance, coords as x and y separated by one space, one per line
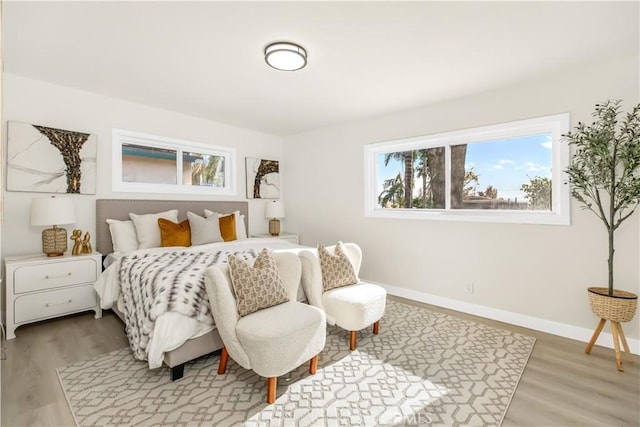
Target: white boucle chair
352 307
271 341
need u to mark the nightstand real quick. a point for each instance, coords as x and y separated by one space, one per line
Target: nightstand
293 238
40 287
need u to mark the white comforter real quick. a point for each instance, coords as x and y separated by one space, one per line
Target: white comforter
172 329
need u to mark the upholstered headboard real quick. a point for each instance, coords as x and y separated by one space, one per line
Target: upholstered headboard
120 208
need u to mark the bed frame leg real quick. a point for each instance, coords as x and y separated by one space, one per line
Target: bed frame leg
177 372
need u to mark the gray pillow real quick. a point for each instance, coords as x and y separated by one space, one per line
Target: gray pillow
204 230
147 229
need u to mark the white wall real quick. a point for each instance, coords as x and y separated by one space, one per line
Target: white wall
531 271
38 102
533 274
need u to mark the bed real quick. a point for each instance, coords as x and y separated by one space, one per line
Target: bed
176 339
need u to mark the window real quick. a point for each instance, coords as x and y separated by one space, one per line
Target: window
512 172
147 163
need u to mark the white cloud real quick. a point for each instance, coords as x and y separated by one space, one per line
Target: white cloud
505 162
534 167
502 162
547 144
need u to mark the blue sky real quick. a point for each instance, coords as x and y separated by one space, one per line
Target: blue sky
505 164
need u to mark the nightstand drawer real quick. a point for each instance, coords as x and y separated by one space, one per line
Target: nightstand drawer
48 276
49 304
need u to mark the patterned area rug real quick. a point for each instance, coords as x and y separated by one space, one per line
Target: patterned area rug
424 368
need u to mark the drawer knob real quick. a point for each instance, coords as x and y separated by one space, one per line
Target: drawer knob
58 276
51 304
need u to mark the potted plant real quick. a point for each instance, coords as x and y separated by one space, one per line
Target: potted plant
604 172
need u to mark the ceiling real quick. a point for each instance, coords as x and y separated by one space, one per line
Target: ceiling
365 58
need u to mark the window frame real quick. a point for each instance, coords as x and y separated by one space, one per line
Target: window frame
556 124
121 136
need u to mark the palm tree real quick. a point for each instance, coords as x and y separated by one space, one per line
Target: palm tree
423 172
210 171
407 158
458 157
436 169
206 175
392 193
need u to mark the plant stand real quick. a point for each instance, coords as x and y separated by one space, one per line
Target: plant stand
619 307
618 337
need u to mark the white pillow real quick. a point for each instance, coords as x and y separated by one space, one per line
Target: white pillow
147 228
123 235
241 230
204 230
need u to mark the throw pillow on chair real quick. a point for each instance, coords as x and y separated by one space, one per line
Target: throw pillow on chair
331 283
263 338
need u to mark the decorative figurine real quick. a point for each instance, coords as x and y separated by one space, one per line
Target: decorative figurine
86 244
78 244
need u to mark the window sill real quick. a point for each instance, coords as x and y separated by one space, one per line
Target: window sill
494 215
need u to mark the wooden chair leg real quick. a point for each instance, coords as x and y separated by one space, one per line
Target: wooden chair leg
627 352
616 345
352 340
376 327
224 358
272 382
313 365
595 335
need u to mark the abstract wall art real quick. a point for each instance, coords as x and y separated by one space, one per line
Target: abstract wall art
263 178
50 160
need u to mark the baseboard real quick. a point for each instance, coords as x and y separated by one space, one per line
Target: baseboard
549 326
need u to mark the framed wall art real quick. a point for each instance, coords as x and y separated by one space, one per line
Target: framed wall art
263 178
50 160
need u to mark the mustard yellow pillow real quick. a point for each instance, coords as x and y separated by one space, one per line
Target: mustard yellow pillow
172 234
228 227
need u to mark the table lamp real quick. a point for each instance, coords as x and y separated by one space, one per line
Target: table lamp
274 211
53 211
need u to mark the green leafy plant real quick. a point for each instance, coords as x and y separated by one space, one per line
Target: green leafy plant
605 168
538 192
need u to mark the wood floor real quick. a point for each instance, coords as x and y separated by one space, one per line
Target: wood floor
561 386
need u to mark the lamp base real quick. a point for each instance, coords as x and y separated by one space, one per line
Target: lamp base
274 227
54 241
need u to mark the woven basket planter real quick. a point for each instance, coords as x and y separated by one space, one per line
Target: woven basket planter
620 307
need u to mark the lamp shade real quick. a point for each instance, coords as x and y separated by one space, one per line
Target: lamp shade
274 209
52 211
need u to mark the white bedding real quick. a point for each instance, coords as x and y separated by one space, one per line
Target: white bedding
171 329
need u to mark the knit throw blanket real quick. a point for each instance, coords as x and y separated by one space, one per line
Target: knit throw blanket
156 283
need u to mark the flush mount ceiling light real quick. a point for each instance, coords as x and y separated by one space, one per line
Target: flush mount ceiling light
285 56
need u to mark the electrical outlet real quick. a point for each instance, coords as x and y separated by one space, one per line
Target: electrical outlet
468 287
